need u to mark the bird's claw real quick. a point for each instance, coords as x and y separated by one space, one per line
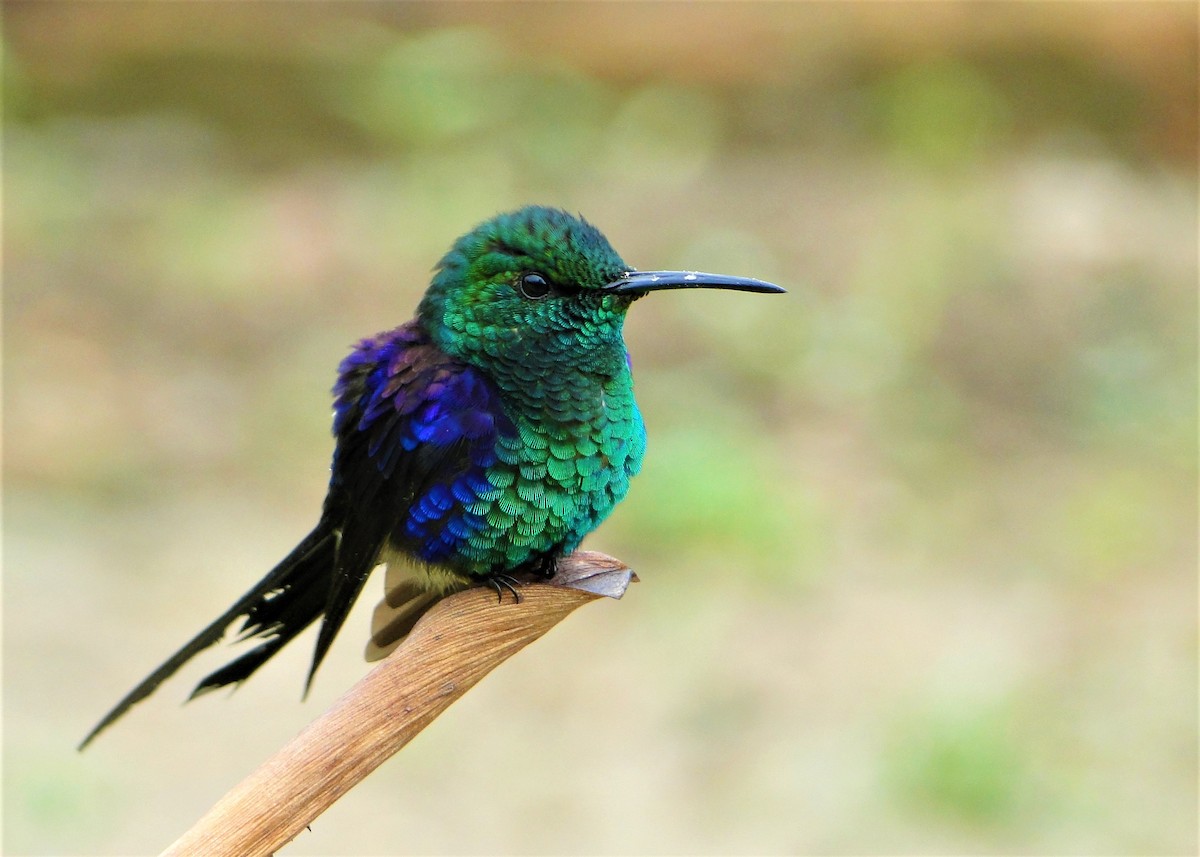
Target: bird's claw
501 582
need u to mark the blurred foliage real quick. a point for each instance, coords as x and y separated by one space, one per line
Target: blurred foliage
962 763
918 540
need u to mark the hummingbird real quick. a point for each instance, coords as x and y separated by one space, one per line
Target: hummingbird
474 445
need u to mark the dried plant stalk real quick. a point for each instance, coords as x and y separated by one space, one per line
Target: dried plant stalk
459 641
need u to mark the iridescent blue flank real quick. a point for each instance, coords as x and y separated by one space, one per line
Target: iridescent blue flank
380 395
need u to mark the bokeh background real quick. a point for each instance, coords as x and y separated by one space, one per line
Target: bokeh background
917 542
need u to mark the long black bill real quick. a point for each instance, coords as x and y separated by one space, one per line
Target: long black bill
640 282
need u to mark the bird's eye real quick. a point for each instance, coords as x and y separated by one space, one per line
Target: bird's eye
534 286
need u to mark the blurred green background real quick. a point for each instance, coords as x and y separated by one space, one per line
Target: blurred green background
918 542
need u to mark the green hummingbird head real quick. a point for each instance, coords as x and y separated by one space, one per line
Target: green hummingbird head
526 285
538 287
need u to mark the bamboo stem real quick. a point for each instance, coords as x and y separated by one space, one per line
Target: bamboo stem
459 641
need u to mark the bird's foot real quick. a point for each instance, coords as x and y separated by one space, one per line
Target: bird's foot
499 582
544 567
541 567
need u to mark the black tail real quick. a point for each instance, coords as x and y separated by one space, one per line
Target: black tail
277 608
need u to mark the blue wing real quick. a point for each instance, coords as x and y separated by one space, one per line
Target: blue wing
415 430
